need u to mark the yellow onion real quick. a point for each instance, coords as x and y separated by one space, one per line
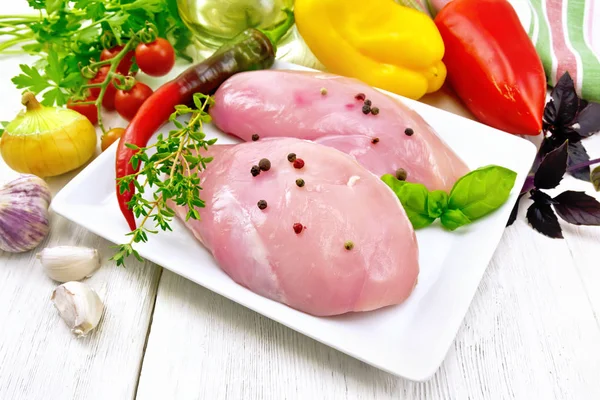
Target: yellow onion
47 141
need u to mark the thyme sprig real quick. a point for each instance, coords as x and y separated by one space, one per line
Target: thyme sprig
172 170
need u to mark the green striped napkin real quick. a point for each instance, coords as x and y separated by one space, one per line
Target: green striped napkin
566 34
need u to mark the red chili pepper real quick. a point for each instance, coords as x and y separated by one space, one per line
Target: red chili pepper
252 49
493 65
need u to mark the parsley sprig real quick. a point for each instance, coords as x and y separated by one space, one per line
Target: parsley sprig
67 35
177 158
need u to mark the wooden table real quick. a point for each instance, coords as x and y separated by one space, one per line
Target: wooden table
532 331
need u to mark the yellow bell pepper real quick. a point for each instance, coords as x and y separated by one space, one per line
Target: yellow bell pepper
380 42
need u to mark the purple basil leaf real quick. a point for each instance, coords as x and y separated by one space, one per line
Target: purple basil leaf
563 107
552 168
515 211
577 208
595 178
588 120
578 155
541 198
542 219
548 144
582 104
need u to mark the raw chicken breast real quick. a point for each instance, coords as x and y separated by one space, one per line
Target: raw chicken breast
357 250
291 103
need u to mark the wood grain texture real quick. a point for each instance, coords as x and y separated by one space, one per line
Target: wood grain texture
39 357
530 333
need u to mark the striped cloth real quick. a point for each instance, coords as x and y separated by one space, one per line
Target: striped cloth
566 34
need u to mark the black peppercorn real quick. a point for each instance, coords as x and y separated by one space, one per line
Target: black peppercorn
255 137
291 157
300 182
255 170
409 131
374 110
262 204
366 109
264 164
375 140
401 174
368 102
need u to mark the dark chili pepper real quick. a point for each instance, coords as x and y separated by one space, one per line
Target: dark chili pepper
251 50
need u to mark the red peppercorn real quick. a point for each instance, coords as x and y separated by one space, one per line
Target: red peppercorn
298 228
360 96
298 163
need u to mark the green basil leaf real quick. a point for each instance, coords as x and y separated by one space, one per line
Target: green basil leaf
413 197
452 219
595 178
437 203
482 191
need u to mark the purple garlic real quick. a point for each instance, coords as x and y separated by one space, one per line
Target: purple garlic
24 213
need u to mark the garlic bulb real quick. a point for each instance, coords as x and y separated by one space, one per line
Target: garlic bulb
79 306
47 141
24 213
69 263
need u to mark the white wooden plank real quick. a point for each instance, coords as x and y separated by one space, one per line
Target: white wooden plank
39 357
530 333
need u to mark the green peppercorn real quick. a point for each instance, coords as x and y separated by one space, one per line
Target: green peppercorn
374 110
291 157
300 182
348 245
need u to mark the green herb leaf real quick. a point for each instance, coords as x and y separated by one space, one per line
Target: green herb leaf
413 197
30 79
437 203
595 178
452 219
482 191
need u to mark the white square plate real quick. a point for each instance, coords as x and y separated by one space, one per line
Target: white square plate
409 340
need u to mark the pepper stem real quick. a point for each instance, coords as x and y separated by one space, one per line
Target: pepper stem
276 32
30 102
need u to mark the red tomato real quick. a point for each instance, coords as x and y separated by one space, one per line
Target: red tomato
125 63
90 111
108 101
110 137
156 58
128 103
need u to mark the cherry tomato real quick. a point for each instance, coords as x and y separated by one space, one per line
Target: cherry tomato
125 63
108 101
90 111
156 58
129 102
110 137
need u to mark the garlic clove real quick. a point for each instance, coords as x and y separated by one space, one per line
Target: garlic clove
69 263
79 306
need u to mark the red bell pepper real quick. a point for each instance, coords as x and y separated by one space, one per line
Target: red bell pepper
493 65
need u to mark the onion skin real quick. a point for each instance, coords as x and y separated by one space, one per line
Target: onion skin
24 214
47 141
